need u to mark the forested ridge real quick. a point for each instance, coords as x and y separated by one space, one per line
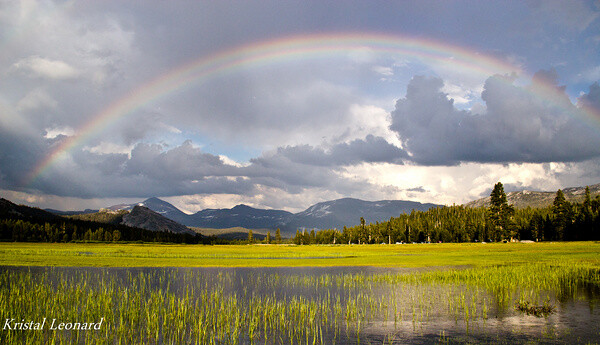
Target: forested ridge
19 230
27 224
563 221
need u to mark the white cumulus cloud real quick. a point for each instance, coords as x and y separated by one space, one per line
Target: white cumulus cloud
36 66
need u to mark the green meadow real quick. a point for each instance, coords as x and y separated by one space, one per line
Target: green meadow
495 293
406 255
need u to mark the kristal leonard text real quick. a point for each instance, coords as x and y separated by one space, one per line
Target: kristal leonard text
54 325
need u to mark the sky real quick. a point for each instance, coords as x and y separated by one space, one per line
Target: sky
283 104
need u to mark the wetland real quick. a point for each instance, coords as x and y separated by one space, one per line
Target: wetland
460 304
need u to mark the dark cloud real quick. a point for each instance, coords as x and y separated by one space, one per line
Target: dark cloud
152 169
91 184
139 126
184 162
108 164
518 126
149 170
113 175
419 189
19 152
592 98
370 150
295 168
280 172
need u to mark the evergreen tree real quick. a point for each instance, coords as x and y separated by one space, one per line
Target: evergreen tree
278 236
500 214
560 213
306 239
587 201
362 234
586 226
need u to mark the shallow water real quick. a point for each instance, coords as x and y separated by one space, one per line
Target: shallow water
341 305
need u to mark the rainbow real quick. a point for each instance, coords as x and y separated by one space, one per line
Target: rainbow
269 52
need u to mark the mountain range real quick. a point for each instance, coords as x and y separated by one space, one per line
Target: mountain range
335 213
156 214
324 215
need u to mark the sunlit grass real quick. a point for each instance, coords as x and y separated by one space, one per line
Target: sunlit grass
413 255
475 283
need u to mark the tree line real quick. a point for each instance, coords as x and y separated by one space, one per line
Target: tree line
68 230
563 221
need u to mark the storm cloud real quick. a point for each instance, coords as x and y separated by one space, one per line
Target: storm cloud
519 124
301 124
370 150
153 169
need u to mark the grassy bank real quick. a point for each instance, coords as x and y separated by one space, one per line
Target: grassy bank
412 255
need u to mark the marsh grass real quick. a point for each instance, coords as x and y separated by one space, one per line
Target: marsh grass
413 255
171 306
540 311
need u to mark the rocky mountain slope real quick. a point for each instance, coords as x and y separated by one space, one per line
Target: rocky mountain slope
347 212
527 198
137 216
145 218
240 215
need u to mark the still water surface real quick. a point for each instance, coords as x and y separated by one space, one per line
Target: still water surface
341 305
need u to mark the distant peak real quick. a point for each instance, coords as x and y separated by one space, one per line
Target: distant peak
241 206
348 198
153 199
